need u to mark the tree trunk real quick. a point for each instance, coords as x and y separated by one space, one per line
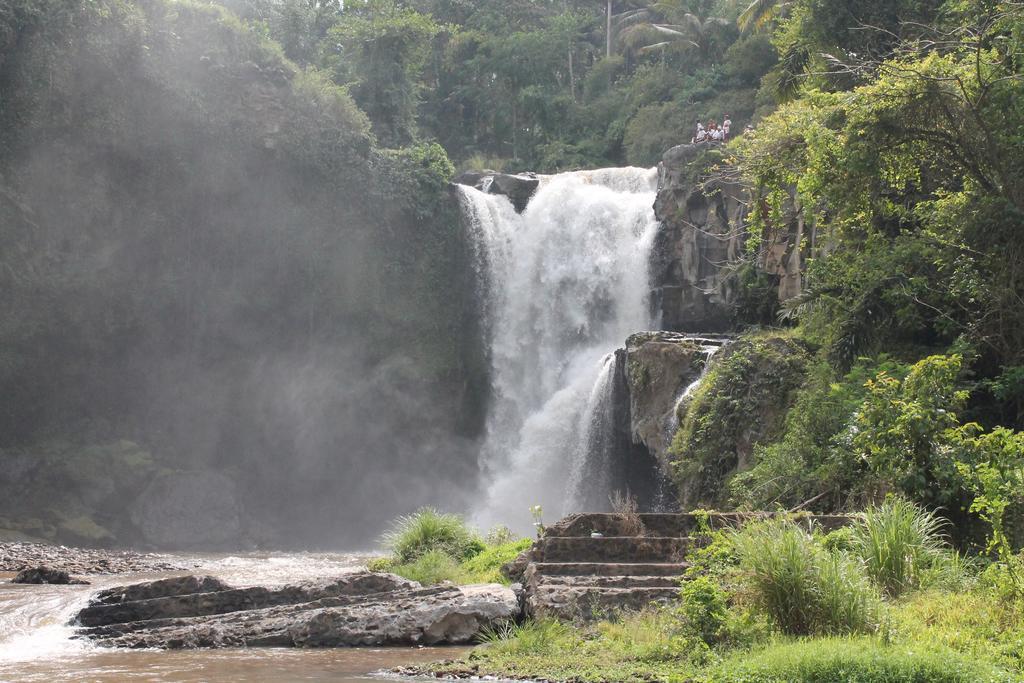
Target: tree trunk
608 32
572 76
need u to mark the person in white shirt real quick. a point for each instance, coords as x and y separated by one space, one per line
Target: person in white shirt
701 134
726 124
716 134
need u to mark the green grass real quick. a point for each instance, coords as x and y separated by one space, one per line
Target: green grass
860 660
975 622
485 567
428 530
430 569
647 646
436 566
937 637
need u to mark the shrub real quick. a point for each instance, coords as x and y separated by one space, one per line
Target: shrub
705 608
431 568
627 510
841 539
804 588
900 543
380 564
428 530
852 661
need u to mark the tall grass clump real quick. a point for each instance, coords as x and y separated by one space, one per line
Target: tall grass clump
415 535
803 587
901 545
540 636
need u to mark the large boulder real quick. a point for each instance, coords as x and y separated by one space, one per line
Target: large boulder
519 187
361 608
452 615
46 575
188 510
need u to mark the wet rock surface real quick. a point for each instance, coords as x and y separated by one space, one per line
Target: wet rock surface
359 609
38 575
660 368
519 188
17 556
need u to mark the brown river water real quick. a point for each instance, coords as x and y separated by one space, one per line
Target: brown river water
36 643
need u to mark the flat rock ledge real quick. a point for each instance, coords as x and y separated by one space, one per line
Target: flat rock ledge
358 609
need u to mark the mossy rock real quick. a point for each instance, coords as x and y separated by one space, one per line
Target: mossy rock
742 403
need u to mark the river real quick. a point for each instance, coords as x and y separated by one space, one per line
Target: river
36 644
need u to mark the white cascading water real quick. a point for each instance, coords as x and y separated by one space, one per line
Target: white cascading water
566 282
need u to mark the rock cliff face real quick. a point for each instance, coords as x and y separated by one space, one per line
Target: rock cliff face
702 245
661 369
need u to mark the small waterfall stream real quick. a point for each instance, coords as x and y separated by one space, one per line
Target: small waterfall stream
565 282
708 351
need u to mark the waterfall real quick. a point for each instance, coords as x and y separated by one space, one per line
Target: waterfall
563 284
592 460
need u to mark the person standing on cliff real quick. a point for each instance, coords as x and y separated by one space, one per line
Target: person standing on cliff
726 124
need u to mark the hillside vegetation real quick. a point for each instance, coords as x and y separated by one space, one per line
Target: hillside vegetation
209 263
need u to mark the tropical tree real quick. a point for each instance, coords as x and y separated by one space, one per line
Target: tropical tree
663 26
759 13
380 50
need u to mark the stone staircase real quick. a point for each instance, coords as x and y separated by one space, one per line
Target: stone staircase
592 565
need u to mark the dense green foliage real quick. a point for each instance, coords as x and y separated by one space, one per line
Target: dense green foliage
534 85
896 140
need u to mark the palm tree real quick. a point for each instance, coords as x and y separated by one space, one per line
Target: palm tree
647 29
759 13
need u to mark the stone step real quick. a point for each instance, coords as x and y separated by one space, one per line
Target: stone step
587 603
674 523
613 549
607 568
608 581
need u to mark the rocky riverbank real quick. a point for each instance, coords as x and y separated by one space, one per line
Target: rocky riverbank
15 557
358 609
